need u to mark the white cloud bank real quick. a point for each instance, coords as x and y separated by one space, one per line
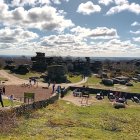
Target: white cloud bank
105 2
35 2
43 18
88 8
124 5
97 33
136 39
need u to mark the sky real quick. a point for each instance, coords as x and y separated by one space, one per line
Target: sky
94 28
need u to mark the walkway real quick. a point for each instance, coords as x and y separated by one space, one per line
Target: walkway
13 80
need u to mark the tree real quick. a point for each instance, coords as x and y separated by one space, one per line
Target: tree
56 73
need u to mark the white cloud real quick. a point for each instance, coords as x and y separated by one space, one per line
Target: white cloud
3 7
18 35
66 44
97 33
43 18
135 32
17 41
59 1
121 2
29 2
136 39
88 8
35 2
117 48
105 2
135 23
123 5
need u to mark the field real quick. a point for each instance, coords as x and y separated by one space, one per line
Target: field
8 103
30 74
64 120
94 82
73 79
2 79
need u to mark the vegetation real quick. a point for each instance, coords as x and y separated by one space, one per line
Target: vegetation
63 120
94 82
3 79
28 75
57 73
7 103
74 78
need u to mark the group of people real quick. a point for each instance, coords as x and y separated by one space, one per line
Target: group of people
34 80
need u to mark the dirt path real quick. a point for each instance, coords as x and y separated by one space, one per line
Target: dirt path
80 101
13 80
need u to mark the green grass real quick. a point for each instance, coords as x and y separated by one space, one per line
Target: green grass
63 120
2 79
94 82
75 78
27 75
7 103
135 88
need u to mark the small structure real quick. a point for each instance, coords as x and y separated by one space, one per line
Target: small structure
29 97
77 92
85 96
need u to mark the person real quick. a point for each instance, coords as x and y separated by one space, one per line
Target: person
62 92
11 98
83 76
30 82
49 83
34 81
1 98
3 90
58 90
53 87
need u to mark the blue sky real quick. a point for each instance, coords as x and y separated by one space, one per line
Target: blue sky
95 28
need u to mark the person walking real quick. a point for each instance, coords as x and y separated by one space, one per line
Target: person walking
1 98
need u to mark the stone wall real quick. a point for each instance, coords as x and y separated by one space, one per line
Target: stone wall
23 109
35 105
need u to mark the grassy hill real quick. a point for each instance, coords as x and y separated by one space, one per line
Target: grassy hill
63 120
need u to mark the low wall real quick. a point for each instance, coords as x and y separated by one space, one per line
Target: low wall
127 95
20 110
